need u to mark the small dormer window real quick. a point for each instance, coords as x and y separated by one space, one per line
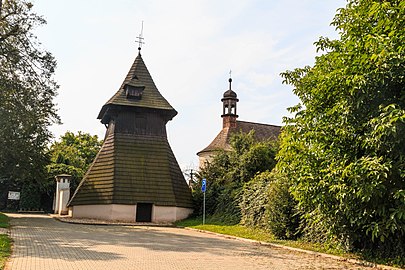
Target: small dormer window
134 88
134 92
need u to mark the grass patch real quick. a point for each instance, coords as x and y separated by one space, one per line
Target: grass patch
214 225
5 242
258 234
322 248
237 230
5 249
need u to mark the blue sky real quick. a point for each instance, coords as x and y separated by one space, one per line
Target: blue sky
190 46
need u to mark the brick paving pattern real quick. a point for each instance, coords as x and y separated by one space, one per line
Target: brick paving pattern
41 242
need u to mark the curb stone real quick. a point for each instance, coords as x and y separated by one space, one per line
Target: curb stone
108 223
318 254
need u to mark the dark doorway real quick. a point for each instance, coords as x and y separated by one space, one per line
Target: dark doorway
144 212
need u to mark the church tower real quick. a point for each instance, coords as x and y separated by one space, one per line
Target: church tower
229 102
231 126
135 176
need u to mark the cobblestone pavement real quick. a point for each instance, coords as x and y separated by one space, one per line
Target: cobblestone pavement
41 242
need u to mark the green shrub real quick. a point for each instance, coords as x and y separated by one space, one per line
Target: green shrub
227 174
30 197
227 209
282 217
254 200
4 221
267 203
390 251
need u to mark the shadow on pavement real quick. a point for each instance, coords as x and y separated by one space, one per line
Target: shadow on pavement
42 236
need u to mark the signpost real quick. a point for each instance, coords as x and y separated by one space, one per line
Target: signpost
203 189
14 195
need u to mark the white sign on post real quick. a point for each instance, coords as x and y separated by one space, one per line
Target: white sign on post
14 195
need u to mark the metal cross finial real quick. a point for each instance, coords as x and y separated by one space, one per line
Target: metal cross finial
140 39
230 73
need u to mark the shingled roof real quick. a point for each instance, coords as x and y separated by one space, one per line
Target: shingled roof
132 169
222 140
151 97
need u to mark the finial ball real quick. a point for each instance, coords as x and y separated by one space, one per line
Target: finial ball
230 80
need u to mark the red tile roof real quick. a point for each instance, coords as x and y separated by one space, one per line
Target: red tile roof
262 132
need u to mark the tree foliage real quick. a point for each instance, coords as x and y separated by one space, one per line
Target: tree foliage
27 92
344 150
229 171
72 154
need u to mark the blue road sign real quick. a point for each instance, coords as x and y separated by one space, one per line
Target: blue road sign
204 185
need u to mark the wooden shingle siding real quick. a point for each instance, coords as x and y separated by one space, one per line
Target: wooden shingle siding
98 183
143 172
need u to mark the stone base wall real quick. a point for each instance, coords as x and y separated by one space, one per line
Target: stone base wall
169 213
121 212
107 212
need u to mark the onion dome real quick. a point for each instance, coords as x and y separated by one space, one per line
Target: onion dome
230 93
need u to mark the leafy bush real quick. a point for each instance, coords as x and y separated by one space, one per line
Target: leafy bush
227 208
4 221
227 173
282 217
30 197
254 200
267 203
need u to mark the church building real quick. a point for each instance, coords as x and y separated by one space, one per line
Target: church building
230 125
135 176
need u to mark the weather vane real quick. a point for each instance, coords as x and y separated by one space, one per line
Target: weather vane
140 39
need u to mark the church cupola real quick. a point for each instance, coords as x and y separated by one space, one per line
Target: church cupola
229 102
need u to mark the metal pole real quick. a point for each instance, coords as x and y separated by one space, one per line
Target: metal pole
191 179
204 210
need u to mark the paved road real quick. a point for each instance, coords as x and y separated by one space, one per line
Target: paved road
44 243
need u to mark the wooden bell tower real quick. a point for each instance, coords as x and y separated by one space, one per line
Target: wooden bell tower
135 176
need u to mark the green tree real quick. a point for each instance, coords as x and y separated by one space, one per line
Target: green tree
72 154
344 150
27 92
229 171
